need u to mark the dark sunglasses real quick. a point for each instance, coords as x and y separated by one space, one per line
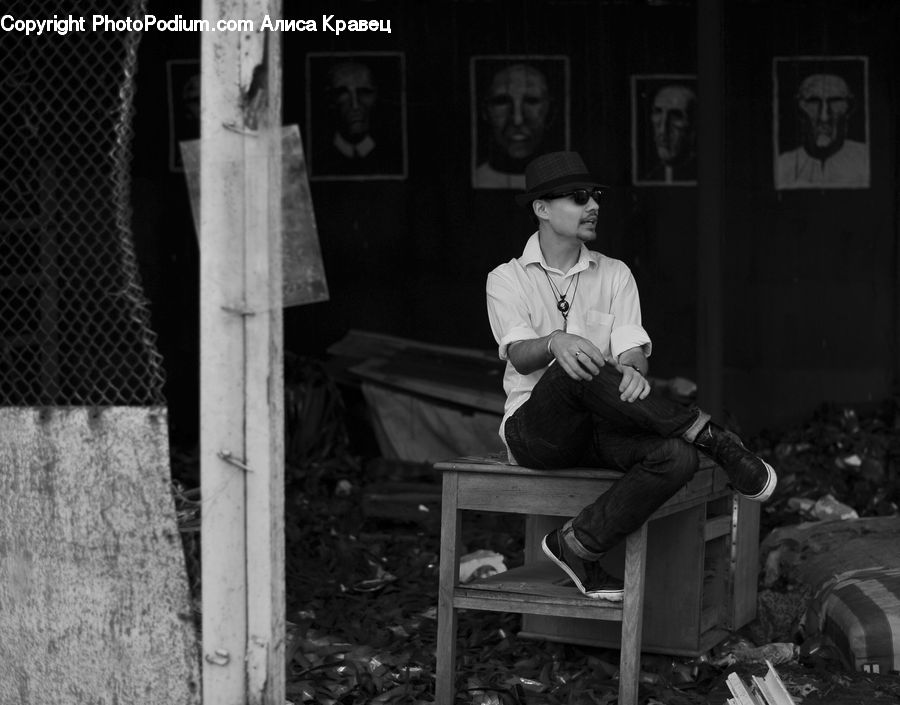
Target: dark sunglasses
580 196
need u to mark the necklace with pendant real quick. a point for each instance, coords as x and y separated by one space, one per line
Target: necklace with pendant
562 305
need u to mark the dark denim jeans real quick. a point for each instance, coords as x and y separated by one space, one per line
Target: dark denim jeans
568 423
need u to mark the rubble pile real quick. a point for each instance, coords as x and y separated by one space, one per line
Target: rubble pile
362 586
841 463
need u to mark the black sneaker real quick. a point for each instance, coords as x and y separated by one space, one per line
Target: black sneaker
588 576
749 474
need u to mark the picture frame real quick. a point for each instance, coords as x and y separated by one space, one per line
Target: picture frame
664 129
356 115
519 108
820 122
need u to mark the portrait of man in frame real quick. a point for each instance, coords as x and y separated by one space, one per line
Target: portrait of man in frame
664 130
820 122
519 109
356 115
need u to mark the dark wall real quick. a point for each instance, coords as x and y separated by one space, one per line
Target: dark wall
809 276
411 258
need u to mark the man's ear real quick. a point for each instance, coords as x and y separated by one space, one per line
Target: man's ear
541 209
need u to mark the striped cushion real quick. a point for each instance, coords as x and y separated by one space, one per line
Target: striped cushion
859 612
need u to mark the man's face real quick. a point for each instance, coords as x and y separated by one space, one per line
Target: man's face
517 107
825 104
672 116
568 219
353 97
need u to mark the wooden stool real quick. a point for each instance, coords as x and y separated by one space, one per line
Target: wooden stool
489 484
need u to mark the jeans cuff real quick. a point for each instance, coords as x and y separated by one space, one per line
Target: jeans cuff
568 535
694 429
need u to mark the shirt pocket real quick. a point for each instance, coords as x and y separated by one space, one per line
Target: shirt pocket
599 328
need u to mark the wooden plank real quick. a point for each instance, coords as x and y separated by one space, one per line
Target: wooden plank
553 495
223 544
241 381
672 612
540 578
264 379
632 616
744 561
537 495
366 344
375 370
526 604
709 618
606 635
498 465
717 527
448 576
708 474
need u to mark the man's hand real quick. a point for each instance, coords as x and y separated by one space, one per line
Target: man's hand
633 366
578 356
633 385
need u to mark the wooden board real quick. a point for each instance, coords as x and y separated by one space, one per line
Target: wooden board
451 382
362 345
745 559
515 590
92 579
241 356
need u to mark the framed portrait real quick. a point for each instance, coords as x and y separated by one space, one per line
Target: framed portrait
519 109
664 130
820 122
356 116
183 88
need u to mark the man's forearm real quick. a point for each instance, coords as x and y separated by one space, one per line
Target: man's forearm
635 358
531 355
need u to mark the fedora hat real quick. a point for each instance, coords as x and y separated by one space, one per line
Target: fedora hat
555 172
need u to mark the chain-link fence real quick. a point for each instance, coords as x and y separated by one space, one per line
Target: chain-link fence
74 323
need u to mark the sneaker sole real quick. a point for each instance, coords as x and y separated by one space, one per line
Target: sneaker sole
767 489
610 595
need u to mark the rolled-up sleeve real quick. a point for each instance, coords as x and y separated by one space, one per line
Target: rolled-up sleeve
627 330
507 312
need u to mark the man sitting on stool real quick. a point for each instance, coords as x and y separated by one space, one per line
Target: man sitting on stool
568 323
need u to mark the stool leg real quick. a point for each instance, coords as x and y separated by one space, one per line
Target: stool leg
445 668
632 616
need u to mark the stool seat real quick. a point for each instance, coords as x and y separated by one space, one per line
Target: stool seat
490 484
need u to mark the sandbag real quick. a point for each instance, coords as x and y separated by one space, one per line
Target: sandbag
859 613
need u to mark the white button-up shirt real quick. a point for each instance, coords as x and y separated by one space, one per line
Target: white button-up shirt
605 309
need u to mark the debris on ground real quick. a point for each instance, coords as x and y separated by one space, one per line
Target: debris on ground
361 563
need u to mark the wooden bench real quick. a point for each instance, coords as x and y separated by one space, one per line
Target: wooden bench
542 593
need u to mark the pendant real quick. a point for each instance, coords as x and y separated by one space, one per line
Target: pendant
563 306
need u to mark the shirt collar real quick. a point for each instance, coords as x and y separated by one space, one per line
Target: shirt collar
533 255
348 149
